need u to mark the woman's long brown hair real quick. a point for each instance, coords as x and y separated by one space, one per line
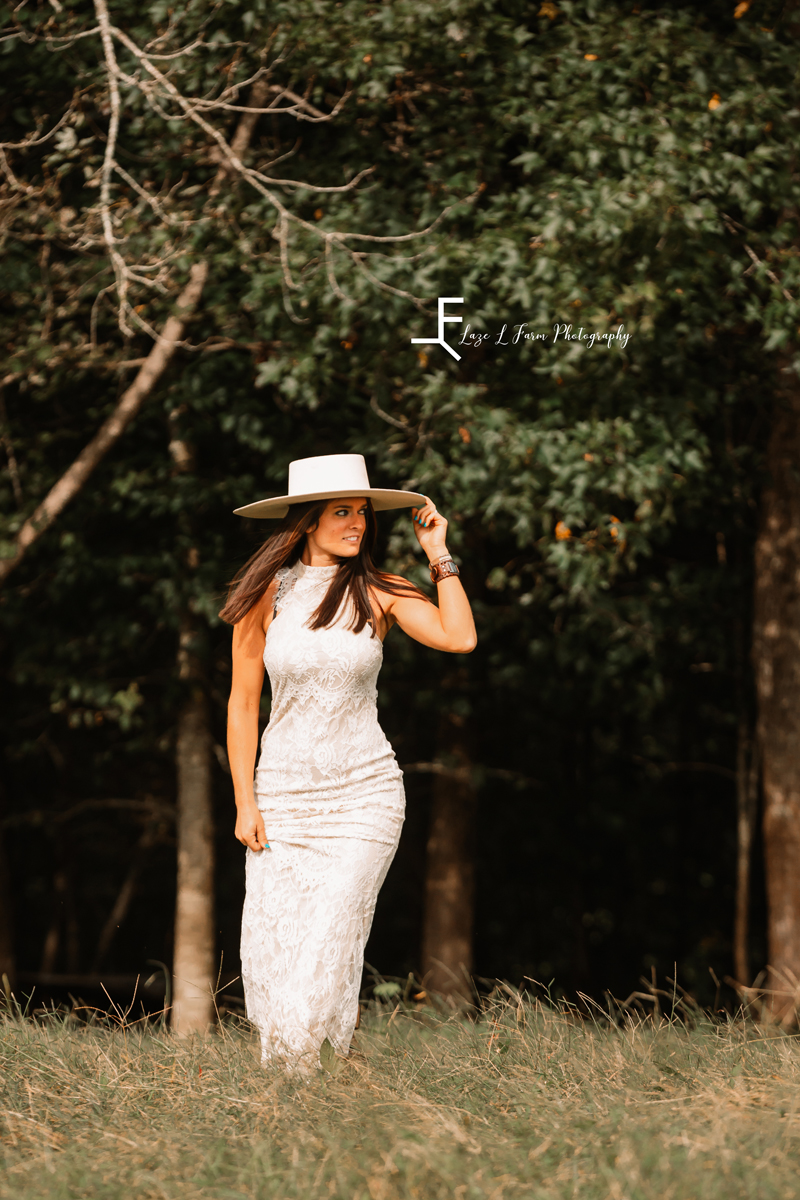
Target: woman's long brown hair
353 579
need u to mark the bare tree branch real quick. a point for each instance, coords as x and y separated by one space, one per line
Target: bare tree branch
733 227
75 476
34 139
13 468
38 816
122 193
244 132
263 183
109 163
299 108
5 166
148 199
406 428
119 909
337 291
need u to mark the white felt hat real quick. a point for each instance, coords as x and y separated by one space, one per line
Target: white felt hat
328 477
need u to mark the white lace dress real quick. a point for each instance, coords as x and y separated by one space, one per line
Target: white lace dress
332 797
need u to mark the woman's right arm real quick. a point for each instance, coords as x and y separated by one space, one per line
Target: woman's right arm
246 683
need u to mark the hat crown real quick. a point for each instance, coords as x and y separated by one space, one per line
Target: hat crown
328 473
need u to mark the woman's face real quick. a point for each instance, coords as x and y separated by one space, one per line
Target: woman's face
340 529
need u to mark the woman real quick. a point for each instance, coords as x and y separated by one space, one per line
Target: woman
311 606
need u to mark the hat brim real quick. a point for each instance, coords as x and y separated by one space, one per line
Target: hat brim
382 499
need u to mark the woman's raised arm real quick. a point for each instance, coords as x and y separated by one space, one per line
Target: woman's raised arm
451 626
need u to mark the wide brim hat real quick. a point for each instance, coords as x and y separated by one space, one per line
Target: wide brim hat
329 477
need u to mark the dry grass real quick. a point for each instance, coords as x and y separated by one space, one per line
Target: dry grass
528 1102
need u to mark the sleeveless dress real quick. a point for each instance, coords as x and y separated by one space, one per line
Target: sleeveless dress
332 797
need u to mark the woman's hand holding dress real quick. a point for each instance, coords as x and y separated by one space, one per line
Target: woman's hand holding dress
249 828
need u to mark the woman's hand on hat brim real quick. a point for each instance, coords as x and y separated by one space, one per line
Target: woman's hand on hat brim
431 529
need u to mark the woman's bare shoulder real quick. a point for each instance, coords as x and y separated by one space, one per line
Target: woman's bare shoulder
394 580
402 590
260 615
406 586
383 592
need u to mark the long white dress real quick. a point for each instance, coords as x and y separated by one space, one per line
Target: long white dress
332 796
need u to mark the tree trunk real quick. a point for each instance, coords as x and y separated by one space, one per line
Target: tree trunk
746 808
576 773
776 650
7 962
193 964
450 876
193 960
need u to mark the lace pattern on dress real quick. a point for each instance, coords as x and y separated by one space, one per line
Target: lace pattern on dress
332 797
286 579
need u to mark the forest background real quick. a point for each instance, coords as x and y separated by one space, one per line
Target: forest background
222 226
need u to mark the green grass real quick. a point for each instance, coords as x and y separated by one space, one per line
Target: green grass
526 1102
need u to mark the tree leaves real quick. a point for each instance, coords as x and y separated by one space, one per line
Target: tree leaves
607 193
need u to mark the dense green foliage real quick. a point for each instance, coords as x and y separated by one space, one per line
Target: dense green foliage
600 168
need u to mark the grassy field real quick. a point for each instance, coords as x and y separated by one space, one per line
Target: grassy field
527 1102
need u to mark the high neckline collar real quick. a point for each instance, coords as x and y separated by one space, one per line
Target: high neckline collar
313 573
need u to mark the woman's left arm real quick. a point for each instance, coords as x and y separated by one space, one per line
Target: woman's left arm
450 626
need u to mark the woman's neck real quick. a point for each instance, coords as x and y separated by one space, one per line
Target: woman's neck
317 558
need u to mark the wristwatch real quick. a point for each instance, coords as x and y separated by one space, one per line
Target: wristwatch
443 567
